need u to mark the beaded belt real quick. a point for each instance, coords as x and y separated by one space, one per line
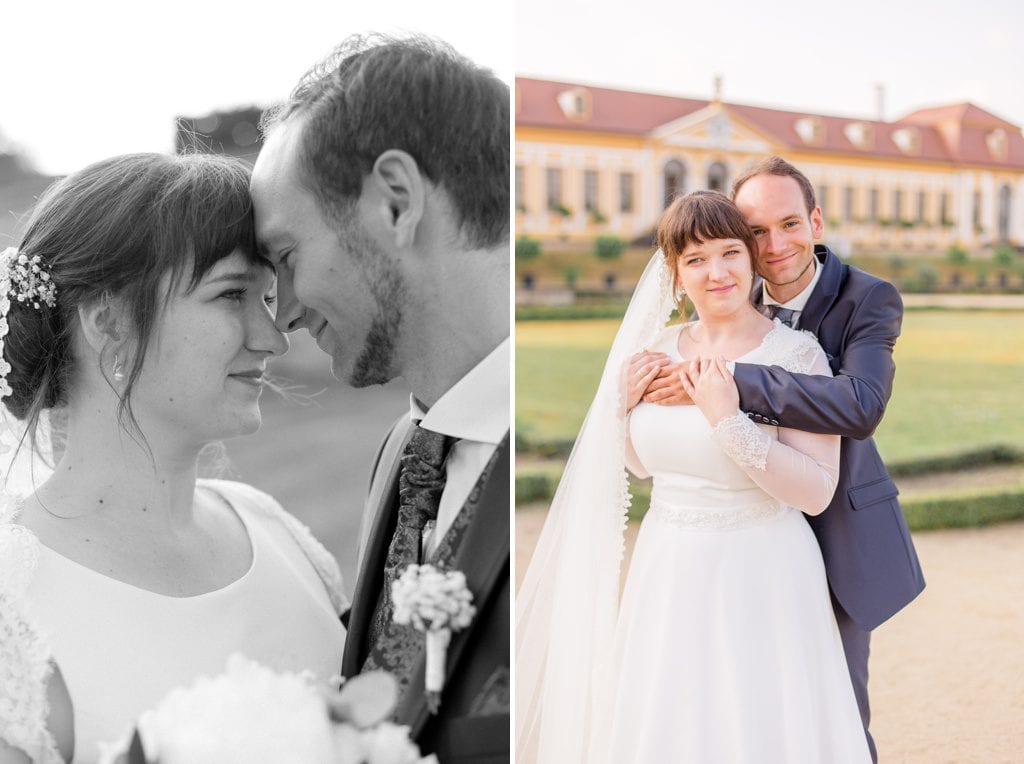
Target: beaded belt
726 518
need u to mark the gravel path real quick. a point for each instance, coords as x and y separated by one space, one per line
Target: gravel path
947 674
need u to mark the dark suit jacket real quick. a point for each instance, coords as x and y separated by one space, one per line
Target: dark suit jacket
869 557
479 655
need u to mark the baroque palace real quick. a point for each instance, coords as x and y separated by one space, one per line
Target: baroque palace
595 161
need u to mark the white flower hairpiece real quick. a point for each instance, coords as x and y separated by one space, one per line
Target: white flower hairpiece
25 279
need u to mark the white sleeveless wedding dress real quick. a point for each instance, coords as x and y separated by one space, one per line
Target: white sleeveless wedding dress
726 647
122 649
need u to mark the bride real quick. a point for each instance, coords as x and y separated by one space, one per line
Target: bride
724 647
137 311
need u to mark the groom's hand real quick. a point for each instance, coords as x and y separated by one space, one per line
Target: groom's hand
666 389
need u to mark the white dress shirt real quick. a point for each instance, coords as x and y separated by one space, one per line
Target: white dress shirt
798 303
476 411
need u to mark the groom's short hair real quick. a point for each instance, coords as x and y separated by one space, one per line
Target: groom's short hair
417 94
776 165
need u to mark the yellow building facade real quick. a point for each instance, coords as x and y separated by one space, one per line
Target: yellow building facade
596 161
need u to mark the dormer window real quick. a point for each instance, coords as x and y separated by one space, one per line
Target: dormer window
810 130
907 139
859 134
575 103
996 141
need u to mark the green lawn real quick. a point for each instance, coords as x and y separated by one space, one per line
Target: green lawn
959 380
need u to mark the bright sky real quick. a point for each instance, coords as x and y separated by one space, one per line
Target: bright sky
80 81
804 55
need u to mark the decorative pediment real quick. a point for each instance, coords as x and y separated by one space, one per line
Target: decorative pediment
713 127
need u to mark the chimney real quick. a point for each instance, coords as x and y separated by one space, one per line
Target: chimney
718 88
880 102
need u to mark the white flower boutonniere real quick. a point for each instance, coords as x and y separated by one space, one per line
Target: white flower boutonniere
436 603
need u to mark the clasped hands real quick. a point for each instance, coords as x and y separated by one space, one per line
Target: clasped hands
704 382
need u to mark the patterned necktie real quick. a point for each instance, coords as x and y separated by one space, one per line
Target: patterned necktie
785 315
420 485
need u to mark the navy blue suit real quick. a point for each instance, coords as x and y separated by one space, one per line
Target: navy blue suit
870 560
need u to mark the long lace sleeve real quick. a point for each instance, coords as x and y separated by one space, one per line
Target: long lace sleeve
25 660
799 469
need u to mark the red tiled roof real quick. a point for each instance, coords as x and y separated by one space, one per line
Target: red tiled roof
615 111
958 112
634 113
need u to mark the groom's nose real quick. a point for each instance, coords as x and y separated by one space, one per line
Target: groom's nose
290 312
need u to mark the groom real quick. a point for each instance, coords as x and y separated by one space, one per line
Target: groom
869 557
381 196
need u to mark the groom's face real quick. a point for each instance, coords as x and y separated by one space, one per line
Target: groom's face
334 278
776 211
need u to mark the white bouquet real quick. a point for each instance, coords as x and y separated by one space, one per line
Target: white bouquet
436 603
252 714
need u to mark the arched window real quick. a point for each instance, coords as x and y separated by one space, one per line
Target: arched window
717 177
1005 197
675 180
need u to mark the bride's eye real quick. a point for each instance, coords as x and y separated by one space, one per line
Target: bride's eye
235 295
270 299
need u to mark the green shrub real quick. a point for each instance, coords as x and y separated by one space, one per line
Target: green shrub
571 274
527 248
957 255
609 247
533 486
1004 255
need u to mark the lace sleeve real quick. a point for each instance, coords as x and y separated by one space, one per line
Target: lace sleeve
25 657
323 562
800 469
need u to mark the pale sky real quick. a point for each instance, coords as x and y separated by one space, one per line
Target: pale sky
81 81
823 56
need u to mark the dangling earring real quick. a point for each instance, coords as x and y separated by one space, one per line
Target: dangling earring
680 296
118 370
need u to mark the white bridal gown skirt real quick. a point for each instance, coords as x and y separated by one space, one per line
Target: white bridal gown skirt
727 649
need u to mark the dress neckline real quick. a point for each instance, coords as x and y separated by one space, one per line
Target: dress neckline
228 587
777 326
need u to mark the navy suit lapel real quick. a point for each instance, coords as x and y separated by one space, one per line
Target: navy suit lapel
825 291
483 555
383 493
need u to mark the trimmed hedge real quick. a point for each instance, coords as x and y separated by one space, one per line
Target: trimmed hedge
960 510
963 511
983 457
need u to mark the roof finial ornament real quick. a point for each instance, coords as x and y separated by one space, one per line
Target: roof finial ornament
718 88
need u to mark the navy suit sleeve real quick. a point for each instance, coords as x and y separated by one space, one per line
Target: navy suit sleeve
852 402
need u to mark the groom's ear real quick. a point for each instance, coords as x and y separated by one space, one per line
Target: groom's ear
398 190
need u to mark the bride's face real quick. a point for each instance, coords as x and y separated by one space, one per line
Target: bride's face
716 275
203 372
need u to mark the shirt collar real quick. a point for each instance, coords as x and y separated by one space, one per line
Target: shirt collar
798 302
477 406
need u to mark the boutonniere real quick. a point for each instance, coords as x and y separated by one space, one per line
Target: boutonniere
436 603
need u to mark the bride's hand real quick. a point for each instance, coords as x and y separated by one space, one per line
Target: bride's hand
712 387
641 369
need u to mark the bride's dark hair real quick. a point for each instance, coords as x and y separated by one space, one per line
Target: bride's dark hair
117 228
698 217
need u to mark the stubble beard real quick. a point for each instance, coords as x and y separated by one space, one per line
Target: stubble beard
799 276
375 364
